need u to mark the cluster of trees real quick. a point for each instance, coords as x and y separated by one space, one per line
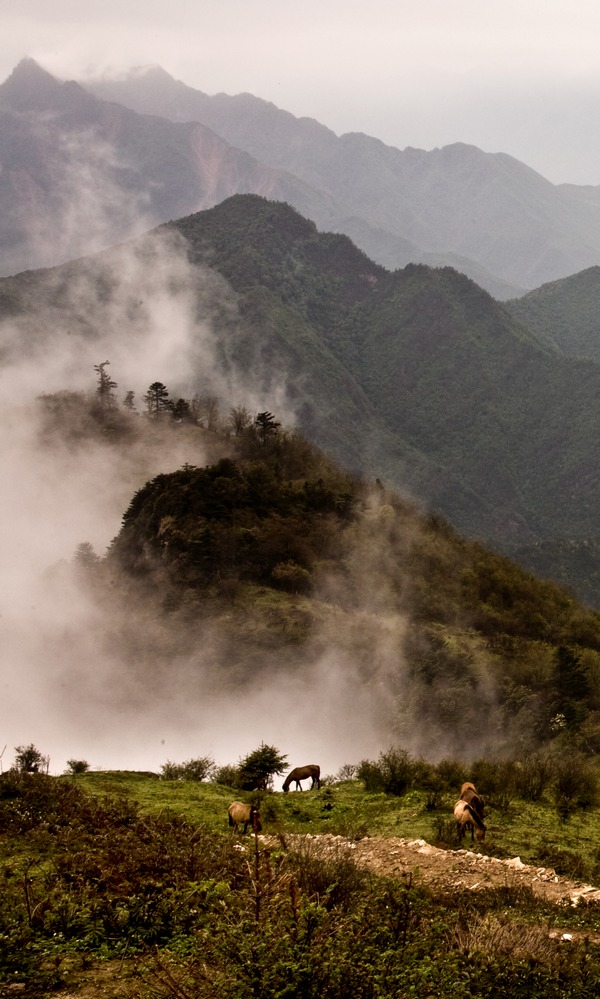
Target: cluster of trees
201 411
255 771
232 521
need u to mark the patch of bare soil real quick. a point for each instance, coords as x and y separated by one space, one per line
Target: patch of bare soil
457 869
448 869
467 869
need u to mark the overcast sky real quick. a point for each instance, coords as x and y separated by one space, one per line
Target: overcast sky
515 76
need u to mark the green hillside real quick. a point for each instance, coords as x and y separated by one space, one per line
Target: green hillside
417 377
281 559
565 313
129 887
449 397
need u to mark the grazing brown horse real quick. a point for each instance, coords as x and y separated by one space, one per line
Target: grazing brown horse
468 818
468 793
239 814
303 773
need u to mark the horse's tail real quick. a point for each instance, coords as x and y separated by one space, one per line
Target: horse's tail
230 819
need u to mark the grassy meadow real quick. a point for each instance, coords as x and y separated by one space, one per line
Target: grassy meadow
124 884
533 831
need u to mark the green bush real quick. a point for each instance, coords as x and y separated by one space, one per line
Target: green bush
197 769
393 773
575 784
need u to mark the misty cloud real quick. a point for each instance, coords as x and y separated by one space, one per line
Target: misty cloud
86 679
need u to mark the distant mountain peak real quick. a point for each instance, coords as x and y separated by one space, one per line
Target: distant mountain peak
153 72
28 85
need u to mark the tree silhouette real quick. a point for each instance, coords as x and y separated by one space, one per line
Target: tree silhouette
106 386
266 426
29 760
157 400
256 770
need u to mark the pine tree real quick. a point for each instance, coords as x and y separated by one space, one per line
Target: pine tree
106 386
157 400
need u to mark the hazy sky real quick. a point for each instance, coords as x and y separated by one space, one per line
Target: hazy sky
516 76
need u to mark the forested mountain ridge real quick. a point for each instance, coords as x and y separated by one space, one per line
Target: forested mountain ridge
81 172
479 413
565 313
274 559
479 212
417 376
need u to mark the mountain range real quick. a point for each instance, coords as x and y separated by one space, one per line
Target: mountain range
416 376
84 167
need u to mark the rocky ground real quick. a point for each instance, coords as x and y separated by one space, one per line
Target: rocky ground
467 869
460 869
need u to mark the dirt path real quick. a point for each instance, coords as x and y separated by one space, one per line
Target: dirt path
455 868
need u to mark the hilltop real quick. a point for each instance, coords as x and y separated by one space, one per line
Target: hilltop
272 569
417 377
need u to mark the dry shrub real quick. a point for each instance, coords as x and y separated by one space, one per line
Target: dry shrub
491 935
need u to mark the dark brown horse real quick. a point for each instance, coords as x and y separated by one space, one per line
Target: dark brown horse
303 773
241 814
468 793
468 818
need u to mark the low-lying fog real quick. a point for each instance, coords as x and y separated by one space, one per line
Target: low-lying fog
61 689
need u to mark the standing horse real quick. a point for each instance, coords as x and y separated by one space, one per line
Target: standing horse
239 814
468 793
303 773
468 818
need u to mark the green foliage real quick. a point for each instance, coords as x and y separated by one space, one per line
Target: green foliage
576 785
75 767
200 768
241 521
29 760
88 876
393 773
157 400
228 774
257 769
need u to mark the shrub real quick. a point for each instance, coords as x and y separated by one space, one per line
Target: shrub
451 774
29 760
227 775
393 773
533 776
575 785
496 782
257 769
75 767
198 769
347 771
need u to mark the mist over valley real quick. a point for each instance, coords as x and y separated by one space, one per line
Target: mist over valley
419 393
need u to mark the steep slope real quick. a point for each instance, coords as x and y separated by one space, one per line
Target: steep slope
79 174
290 559
489 208
501 424
565 313
417 376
